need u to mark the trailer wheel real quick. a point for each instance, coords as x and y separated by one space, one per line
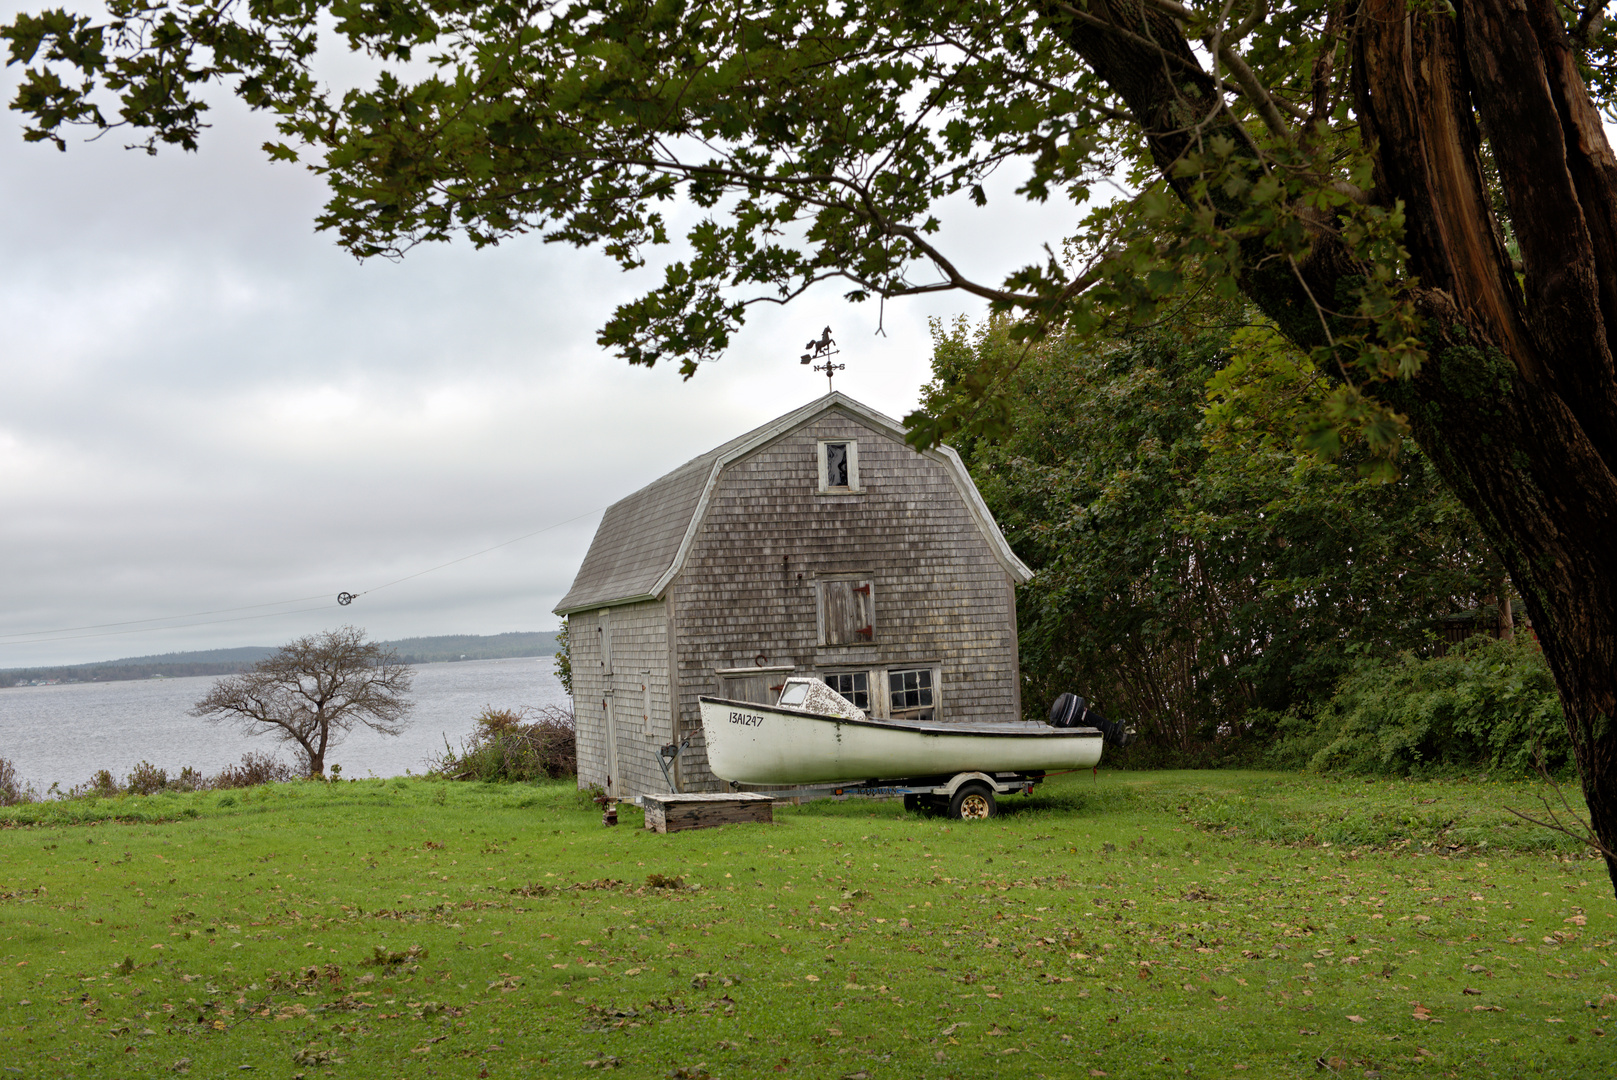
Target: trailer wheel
973 802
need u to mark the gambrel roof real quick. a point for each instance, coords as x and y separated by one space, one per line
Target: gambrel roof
641 542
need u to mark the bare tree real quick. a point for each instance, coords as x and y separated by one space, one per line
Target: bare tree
313 692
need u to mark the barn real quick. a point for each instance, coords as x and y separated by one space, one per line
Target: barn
820 544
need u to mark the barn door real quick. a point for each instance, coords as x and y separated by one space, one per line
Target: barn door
753 686
761 686
847 612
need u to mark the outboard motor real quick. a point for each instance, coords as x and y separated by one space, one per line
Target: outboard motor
1070 710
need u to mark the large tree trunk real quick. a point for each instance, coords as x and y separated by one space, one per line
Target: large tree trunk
1517 404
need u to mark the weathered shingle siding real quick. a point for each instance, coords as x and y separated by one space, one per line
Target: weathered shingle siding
748 585
583 645
639 659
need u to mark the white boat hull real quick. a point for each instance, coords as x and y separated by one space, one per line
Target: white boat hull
748 743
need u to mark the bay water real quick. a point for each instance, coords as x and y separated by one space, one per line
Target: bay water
64 733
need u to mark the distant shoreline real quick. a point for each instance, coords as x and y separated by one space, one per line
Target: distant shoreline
420 650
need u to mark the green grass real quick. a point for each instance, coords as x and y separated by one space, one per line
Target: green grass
1150 924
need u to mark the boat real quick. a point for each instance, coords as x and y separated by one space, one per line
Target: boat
813 735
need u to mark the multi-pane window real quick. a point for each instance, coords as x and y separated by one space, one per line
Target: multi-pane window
847 612
853 685
909 691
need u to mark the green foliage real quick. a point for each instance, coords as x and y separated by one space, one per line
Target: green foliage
1488 705
508 745
564 658
817 139
1193 561
254 769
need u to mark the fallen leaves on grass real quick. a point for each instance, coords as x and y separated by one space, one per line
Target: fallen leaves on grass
531 890
382 956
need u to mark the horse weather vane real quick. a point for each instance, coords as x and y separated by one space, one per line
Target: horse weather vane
823 349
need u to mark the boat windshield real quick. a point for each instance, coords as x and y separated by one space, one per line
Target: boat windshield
813 695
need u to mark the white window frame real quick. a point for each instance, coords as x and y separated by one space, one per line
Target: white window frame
887 694
854 487
874 681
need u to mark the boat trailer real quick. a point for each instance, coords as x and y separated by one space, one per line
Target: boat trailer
963 796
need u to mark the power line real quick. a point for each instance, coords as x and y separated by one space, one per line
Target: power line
110 629
182 626
473 555
157 618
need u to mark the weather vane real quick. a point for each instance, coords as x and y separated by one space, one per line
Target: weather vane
823 349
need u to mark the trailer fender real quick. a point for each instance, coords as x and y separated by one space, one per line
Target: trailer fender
957 779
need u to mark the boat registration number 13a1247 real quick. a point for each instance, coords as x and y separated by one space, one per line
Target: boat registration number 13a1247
747 719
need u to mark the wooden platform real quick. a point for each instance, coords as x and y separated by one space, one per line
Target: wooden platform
673 813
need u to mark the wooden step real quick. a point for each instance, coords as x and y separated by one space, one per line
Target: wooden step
674 813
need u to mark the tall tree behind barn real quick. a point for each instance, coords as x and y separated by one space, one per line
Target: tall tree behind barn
817 544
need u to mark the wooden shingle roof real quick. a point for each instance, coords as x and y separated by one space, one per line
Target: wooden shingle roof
641 541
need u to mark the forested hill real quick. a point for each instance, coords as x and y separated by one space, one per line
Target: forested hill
431 650
417 650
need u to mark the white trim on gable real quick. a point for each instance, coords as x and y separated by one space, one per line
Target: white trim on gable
1016 568
785 425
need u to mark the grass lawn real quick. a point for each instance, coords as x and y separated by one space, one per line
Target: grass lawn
1148 924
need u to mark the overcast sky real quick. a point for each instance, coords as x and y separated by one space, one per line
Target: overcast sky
206 405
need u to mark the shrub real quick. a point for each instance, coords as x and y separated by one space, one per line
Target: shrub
12 790
1486 705
146 779
253 769
514 744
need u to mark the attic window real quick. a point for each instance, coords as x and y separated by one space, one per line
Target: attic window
839 467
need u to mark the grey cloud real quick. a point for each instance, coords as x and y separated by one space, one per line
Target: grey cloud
206 405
